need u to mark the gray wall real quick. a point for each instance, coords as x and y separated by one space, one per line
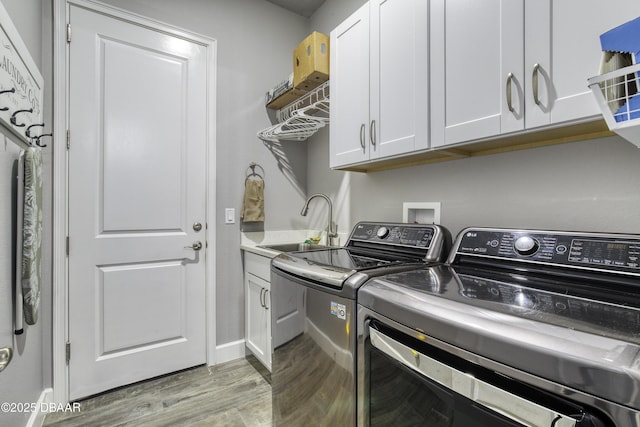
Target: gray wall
255 41
587 185
30 371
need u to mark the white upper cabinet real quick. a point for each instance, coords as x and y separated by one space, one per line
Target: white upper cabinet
502 66
562 37
379 82
476 69
349 113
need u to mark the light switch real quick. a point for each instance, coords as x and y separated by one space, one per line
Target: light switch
229 216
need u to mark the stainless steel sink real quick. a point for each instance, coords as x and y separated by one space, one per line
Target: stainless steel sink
293 247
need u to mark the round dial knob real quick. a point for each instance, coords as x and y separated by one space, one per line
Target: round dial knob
526 245
382 232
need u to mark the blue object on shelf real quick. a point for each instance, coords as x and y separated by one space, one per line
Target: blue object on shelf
630 110
624 38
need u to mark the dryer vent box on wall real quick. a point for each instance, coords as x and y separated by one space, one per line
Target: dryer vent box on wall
421 212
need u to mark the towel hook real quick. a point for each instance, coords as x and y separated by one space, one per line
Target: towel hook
37 138
13 117
28 131
2 92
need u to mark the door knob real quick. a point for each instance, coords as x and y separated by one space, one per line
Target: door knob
197 226
196 246
5 357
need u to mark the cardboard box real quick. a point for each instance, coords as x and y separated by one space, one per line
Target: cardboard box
311 62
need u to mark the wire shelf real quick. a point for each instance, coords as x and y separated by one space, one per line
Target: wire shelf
301 118
618 95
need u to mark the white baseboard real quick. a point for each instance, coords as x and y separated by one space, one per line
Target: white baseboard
37 417
230 351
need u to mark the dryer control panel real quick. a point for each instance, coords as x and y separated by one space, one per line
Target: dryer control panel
599 251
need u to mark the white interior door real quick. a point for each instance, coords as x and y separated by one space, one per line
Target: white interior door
137 164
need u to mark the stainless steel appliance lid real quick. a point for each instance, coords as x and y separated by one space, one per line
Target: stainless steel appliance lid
589 345
332 266
561 302
371 247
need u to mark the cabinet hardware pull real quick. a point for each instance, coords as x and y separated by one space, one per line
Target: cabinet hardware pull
509 101
372 133
534 83
261 300
266 291
362 137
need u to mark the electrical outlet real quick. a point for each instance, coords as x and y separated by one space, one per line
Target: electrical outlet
229 216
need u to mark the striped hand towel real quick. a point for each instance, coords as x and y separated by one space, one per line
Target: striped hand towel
32 233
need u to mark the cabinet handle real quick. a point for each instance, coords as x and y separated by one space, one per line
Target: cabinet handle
262 297
509 101
372 132
534 83
362 137
266 291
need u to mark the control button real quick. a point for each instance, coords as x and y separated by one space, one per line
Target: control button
526 245
561 249
561 306
525 300
382 232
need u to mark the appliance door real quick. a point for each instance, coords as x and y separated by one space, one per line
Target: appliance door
403 381
313 361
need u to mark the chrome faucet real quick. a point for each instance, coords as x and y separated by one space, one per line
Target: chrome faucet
331 234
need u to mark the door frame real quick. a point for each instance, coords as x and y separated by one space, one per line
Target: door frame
60 294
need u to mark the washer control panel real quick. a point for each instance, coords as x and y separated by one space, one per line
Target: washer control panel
413 235
589 250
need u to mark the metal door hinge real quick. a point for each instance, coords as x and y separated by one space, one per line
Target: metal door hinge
68 139
67 245
67 351
68 33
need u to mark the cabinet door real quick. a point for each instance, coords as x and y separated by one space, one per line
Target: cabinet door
399 77
475 47
349 115
563 38
257 335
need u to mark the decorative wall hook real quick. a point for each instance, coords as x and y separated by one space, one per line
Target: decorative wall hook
13 117
28 131
37 138
2 92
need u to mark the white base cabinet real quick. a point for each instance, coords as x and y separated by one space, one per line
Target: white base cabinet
257 290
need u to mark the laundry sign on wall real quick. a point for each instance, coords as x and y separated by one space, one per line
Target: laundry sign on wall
21 84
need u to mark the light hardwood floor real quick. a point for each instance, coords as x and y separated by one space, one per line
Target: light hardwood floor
236 393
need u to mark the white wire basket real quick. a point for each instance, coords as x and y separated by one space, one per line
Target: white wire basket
301 118
618 94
